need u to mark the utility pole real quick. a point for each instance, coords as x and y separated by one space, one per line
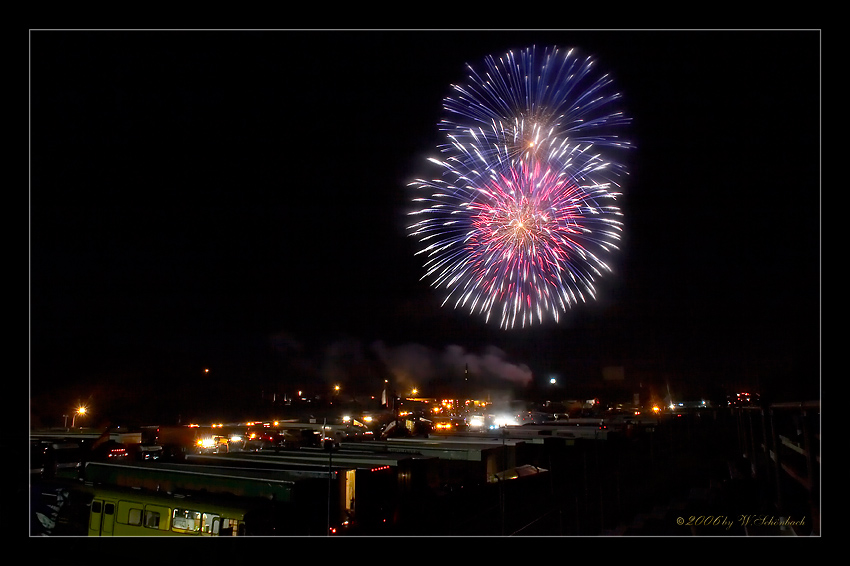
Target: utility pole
502 494
330 449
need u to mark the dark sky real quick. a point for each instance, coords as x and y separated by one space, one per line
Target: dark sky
236 200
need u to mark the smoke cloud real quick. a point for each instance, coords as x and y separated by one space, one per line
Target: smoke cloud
363 366
418 365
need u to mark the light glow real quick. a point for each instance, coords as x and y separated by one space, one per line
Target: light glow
505 420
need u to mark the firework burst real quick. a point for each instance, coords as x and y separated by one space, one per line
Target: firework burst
528 98
520 222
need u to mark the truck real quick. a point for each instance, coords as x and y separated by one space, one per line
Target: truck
180 440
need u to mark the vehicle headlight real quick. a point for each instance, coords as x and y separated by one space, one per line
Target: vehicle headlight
505 420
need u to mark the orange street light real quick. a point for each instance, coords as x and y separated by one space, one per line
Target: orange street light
81 410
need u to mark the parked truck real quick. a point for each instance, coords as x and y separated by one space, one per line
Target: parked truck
178 441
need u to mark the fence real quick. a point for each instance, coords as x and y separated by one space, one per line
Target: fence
782 444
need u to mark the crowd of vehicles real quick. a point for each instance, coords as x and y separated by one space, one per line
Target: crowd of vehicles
179 441
105 509
63 456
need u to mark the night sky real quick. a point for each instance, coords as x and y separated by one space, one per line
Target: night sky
235 200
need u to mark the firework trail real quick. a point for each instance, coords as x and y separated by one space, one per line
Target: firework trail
519 224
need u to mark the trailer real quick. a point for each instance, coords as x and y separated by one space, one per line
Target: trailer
298 503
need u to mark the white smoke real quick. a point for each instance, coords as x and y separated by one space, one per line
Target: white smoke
417 365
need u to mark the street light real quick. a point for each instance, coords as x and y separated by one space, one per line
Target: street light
81 410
